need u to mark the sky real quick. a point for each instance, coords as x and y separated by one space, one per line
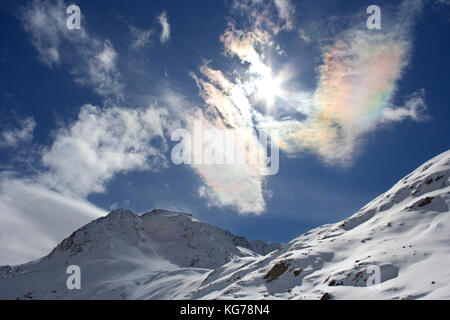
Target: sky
265 118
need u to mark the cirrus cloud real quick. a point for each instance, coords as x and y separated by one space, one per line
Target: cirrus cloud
165 27
92 61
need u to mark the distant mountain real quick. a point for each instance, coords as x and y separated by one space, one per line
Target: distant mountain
402 239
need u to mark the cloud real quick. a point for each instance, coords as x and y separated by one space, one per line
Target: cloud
165 32
245 44
414 109
272 16
234 187
90 60
357 81
238 185
230 111
100 72
13 137
114 206
286 12
35 219
107 57
38 212
47 24
101 143
140 37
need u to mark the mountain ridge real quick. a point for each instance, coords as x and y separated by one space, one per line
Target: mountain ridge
402 234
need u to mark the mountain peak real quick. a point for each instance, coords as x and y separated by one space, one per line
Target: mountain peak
120 211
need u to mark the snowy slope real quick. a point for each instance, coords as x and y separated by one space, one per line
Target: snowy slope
157 255
404 234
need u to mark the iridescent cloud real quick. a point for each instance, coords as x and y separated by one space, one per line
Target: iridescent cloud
238 185
357 79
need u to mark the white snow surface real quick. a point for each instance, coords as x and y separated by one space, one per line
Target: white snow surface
404 233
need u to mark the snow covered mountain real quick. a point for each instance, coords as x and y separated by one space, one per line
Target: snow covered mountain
160 254
402 236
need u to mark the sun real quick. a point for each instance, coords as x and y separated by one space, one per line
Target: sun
267 89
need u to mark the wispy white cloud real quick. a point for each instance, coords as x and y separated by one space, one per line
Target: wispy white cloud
92 61
23 133
165 27
272 16
46 23
99 71
140 37
286 12
415 109
101 143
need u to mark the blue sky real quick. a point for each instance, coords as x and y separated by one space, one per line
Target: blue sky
87 115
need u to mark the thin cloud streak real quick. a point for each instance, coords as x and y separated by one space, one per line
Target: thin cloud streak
165 26
140 38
